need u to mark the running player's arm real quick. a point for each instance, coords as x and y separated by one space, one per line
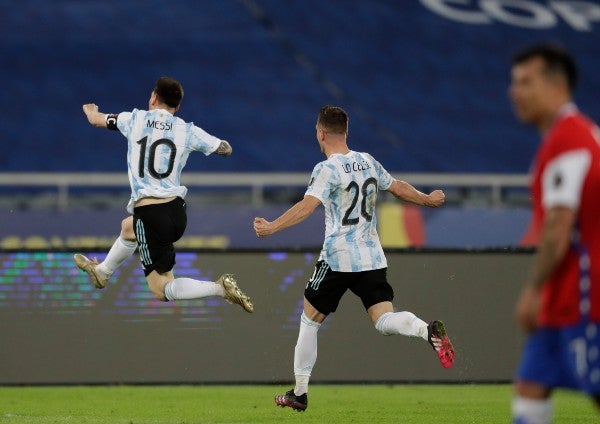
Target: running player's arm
99 119
294 215
94 117
208 144
404 191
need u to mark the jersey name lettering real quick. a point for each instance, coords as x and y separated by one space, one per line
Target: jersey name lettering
159 125
356 166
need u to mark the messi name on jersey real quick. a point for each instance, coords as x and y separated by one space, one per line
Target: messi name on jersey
159 125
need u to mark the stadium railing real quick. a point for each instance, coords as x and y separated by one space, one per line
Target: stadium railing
257 183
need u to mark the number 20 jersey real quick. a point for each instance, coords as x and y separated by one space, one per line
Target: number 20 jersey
158 145
347 186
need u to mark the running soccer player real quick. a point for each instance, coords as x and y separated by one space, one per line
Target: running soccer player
352 258
158 147
559 306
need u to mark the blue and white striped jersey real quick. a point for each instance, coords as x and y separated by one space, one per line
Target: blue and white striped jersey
158 145
347 186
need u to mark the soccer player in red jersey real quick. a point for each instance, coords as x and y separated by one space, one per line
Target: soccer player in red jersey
559 306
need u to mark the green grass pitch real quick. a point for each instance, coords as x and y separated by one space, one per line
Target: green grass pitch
407 404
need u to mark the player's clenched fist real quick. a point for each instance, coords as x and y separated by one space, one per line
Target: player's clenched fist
436 198
262 227
90 107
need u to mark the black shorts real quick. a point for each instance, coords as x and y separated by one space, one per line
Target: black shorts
156 228
326 287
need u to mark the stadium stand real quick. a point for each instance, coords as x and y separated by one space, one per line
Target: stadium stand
425 83
425 92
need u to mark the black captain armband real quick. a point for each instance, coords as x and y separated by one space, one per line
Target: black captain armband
111 121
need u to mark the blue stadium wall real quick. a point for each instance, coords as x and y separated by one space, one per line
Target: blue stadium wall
425 82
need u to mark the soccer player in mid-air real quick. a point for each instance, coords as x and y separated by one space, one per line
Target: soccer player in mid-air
158 147
352 258
559 306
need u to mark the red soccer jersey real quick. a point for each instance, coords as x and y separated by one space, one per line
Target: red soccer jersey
566 172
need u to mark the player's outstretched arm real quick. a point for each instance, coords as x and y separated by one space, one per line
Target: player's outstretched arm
94 117
404 191
294 215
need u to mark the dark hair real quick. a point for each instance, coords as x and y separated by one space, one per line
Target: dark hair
558 61
333 119
169 90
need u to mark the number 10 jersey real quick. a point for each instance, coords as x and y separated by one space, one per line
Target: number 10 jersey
158 145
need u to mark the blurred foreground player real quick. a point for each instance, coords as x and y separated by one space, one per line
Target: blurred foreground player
352 257
559 306
158 147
